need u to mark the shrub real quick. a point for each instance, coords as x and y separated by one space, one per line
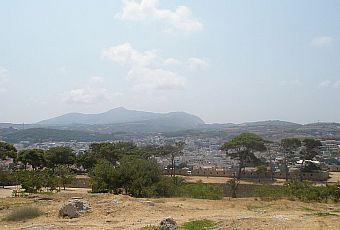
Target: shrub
165 187
200 191
198 225
305 191
23 213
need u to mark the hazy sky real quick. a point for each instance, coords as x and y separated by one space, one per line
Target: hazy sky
225 61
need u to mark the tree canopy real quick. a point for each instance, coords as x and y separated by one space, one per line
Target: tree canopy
60 156
7 150
34 157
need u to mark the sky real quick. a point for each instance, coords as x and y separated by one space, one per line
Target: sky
224 61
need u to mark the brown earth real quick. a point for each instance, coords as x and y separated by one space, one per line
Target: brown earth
124 212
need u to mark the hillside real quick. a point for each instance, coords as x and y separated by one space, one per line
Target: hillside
121 115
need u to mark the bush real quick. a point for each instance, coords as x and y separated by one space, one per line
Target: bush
305 191
23 213
200 191
198 225
165 187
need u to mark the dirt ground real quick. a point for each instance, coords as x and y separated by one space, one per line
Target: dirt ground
123 212
334 178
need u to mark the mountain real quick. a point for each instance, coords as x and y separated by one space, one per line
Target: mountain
124 118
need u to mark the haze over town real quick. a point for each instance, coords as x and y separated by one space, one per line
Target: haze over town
224 61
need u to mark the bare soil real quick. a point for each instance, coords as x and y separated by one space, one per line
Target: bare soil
124 212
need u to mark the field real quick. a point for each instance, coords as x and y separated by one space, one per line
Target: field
124 212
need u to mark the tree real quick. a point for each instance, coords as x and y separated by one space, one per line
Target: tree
60 156
310 149
242 148
138 176
33 157
103 177
172 151
260 170
6 178
7 150
289 146
64 175
111 152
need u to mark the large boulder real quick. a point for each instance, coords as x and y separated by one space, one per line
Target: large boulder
73 208
168 223
69 210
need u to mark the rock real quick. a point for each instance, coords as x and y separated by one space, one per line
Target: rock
115 202
69 210
81 205
147 202
280 217
40 227
73 208
168 223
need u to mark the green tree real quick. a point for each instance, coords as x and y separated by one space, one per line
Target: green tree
64 175
6 178
260 171
172 151
289 146
7 150
103 177
111 152
138 176
60 156
33 157
242 148
310 149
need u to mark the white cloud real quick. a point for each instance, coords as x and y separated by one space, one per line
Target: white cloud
147 78
330 84
323 41
337 84
147 69
197 64
86 95
125 54
92 93
325 83
148 10
172 62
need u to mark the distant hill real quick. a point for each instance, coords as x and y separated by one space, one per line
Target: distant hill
121 117
123 124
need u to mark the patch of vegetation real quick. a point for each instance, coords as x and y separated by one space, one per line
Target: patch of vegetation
305 191
307 209
200 191
23 213
198 225
324 214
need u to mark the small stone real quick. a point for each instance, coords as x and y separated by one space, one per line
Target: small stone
168 223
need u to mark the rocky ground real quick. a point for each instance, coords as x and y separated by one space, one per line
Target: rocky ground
124 212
